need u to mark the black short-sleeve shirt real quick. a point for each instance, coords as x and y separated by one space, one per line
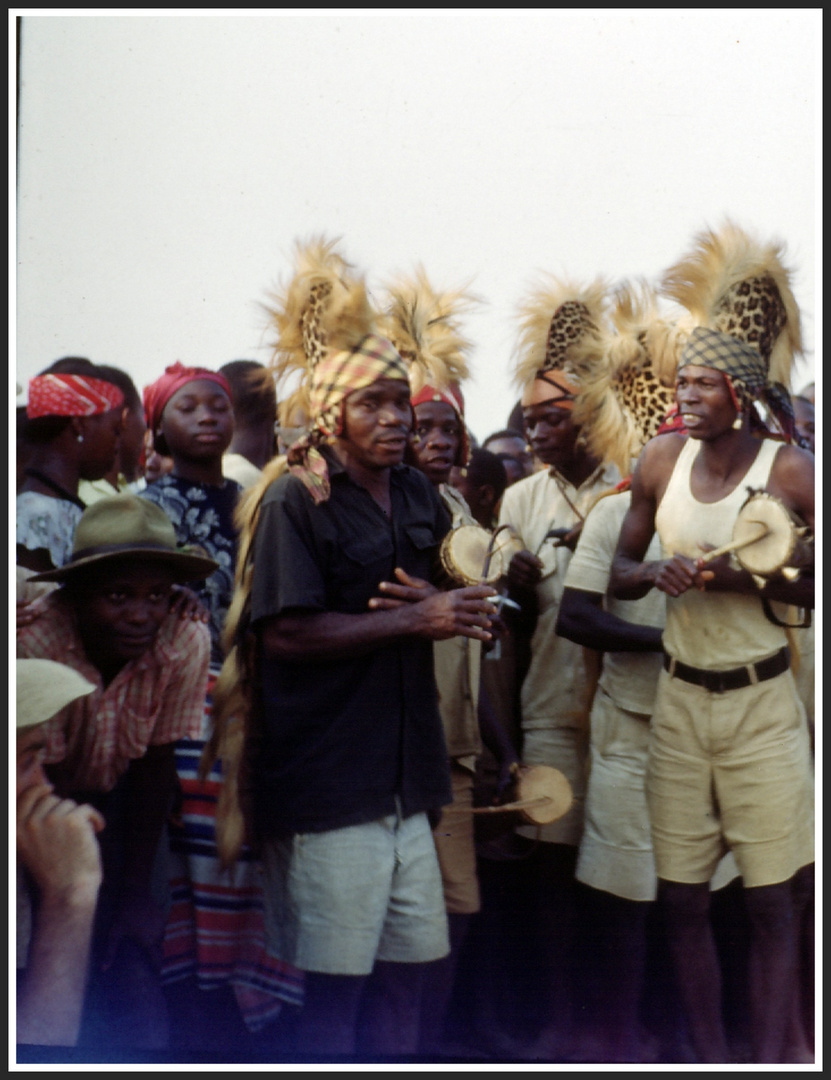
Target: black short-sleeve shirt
343 738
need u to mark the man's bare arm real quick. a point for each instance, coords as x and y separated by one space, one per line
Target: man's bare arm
631 577
583 619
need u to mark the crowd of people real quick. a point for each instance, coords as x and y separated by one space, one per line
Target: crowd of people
293 645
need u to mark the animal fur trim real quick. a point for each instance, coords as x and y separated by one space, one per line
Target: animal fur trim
627 386
553 317
732 282
323 307
423 324
236 729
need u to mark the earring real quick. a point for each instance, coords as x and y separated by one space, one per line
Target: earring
737 423
80 438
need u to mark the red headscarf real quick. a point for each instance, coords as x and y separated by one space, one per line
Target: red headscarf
452 396
157 394
61 394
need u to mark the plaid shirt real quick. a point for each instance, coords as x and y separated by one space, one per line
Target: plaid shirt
155 699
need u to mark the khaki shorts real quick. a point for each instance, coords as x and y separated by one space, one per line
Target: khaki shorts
730 770
456 848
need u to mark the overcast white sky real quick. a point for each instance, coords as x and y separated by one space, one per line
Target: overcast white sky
167 163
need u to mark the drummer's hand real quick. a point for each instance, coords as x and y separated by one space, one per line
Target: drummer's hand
721 574
525 570
505 781
570 539
407 590
676 575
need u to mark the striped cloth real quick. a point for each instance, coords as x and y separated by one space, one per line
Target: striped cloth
215 929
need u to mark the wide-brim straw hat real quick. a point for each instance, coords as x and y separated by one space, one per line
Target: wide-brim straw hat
128 527
44 687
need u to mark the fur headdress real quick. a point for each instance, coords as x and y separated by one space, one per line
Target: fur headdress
324 305
423 325
325 337
627 389
555 317
746 318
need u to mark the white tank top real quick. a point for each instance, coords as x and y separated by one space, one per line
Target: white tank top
713 630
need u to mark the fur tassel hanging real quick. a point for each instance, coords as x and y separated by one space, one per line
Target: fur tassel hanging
628 386
324 306
423 325
235 731
552 319
733 283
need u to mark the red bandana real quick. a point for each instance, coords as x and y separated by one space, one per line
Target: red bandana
452 396
71 395
157 394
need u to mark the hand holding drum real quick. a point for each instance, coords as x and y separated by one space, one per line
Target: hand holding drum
767 538
543 795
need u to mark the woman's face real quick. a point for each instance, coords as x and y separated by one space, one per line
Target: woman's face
198 422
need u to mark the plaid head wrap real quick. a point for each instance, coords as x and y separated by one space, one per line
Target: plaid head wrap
158 393
333 379
747 377
71 395
452 396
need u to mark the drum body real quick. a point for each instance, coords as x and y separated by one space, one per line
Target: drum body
465 552
784 543
547 793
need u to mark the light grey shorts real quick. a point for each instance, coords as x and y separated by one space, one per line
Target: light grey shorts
337 901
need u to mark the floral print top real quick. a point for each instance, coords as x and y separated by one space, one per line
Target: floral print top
203 515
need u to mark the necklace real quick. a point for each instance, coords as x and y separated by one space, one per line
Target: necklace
59 489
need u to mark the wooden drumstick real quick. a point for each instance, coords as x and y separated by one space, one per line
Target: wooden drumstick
492 551
522 804
734 545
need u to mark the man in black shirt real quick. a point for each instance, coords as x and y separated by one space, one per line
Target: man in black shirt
354 758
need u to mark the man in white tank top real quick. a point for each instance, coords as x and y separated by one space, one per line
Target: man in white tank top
729 759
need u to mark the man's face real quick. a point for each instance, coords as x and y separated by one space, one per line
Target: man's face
514 447
438 436
101 433
121 609
704 401
31 747
132 442
376 424
198 421
552 432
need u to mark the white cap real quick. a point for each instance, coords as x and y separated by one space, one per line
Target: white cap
44 687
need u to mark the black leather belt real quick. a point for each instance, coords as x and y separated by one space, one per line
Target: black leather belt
734 679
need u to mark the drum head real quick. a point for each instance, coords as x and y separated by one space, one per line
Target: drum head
464 552
544 783
769 554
